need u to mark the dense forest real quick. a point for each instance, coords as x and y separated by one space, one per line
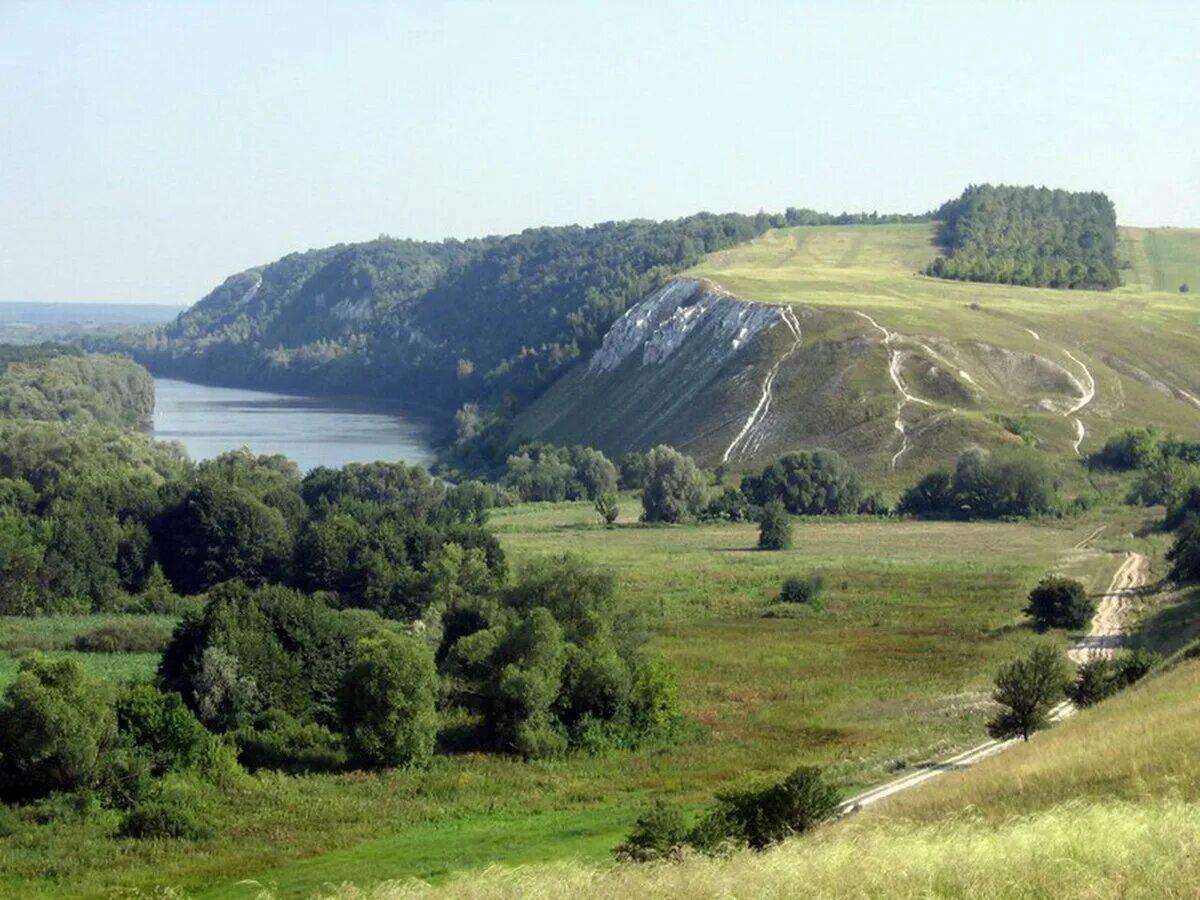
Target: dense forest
54 383
1035 237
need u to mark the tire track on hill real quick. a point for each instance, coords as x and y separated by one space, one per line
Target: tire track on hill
1102 640
753 429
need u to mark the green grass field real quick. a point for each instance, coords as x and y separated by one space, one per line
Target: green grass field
893 668
55 635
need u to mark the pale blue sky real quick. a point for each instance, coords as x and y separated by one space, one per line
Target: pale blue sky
147 150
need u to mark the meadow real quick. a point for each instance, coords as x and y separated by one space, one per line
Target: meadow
891 667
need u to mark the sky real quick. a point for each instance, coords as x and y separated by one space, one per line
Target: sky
148 150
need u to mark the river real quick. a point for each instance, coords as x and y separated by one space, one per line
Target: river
312 431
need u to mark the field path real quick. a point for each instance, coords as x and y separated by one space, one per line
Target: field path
1101 641
752 432
894 373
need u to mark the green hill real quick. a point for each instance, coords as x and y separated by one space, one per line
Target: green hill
981 363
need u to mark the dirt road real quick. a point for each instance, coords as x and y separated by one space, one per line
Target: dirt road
1102 640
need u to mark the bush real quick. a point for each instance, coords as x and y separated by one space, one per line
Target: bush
673 490
730 505
279 742
56 730
761 817
161 727
1095 680
130 636
1184 555
774 528
1098 679
657 833
1134 665
1059 602
388 696
804 589
163 818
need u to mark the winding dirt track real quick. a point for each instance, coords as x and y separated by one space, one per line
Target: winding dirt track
1101 641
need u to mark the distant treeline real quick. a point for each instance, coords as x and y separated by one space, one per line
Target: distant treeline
1029 236
52 383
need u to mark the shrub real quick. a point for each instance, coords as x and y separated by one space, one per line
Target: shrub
730 505
1027 689
279 742
673 490
803 589
1184 555
264 648
761 817
774 528
56 729
1095 680
932 496
129 636
1059 602
163 818
658 833
161 727
388 696
1134 665
873 505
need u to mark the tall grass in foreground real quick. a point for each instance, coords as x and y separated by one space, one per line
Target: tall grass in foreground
1092 850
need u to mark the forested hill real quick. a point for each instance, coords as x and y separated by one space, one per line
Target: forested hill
1029 236
53 383
493 319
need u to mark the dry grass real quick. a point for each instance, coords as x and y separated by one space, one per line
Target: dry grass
1085 850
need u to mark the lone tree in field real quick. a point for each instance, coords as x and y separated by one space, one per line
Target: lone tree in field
1059 603
774 528
606 507
674 488
1027 689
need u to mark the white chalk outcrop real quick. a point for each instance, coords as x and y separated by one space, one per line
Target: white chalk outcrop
658 326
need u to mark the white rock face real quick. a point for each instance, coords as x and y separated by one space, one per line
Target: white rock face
659 325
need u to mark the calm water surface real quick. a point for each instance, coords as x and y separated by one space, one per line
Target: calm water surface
311 431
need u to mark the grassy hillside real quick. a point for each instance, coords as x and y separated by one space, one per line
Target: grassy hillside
893 666
981 362
1102 806
1011 346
